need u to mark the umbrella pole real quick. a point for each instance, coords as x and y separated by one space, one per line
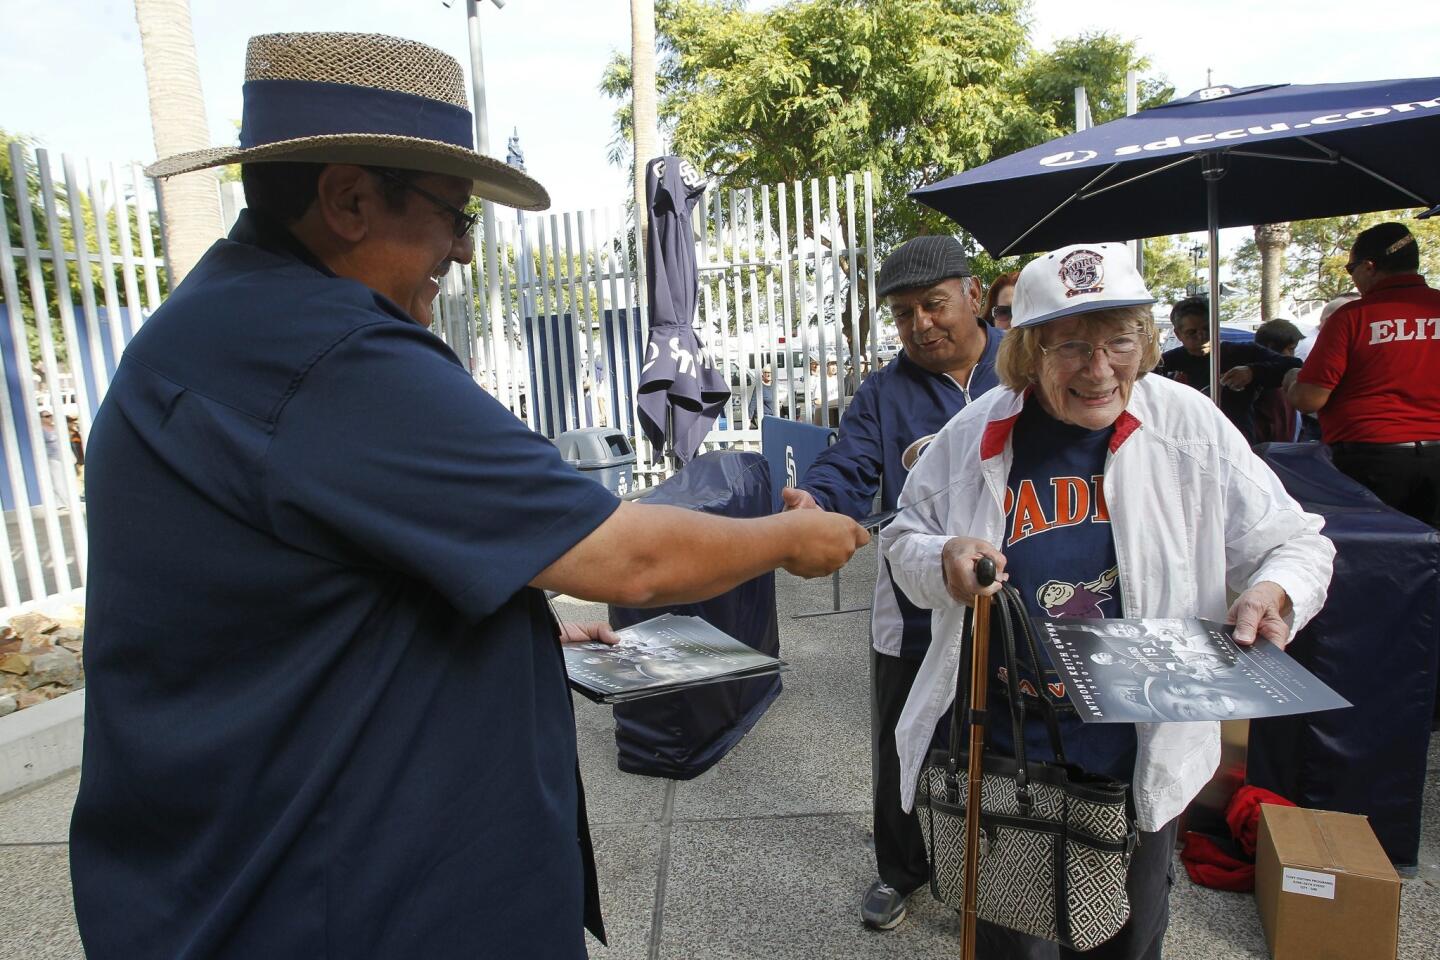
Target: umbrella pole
979 667
1212 168
669 450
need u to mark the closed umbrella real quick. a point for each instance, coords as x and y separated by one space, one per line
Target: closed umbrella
680 393
1220 157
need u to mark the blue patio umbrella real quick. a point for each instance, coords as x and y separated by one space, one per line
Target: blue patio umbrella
1220 157
680 393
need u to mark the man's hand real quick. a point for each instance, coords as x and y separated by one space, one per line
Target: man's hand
1237 378
1260 612
588 632
957 564
796 499
820 542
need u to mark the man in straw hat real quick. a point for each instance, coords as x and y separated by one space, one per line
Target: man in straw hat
327 712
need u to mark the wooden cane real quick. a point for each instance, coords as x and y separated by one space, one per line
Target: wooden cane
979 667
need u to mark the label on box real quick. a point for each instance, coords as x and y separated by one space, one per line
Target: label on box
1308 883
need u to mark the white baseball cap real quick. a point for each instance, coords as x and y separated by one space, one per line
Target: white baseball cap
1080 278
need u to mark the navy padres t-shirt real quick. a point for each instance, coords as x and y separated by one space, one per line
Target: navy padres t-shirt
1060 556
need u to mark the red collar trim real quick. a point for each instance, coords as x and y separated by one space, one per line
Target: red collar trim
997 432
992 441
1125 424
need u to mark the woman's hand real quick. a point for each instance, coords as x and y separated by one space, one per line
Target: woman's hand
957 565
1260 613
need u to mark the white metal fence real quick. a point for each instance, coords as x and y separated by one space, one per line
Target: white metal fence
782 311
781 298
79 271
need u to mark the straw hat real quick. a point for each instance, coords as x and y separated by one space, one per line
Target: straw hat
361 98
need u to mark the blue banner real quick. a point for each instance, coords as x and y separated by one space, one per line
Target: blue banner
790 448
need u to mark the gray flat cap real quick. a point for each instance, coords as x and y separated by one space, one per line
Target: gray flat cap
922 262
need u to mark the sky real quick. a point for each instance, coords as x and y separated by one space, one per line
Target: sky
71 73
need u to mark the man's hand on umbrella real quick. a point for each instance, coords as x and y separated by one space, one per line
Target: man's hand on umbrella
588 632
796 499
820 541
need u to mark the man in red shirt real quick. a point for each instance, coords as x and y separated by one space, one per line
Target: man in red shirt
1373 376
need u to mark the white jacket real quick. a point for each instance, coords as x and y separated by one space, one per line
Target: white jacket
1196 517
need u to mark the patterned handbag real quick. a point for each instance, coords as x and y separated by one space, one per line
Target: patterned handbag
1055 841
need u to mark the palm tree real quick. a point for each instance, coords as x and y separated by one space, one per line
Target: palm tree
1271 239
642 74
191 202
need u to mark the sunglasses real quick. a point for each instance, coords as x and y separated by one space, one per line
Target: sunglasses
464 222
1354 265
1002 311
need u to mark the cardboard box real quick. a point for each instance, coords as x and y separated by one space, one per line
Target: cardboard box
1325 888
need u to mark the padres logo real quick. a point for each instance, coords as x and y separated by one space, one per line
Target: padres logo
1082 271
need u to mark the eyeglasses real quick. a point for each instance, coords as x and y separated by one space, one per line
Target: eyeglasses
1076 353
1354 265
1002 311
464 222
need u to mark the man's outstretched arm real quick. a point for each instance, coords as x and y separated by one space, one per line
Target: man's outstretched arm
648 556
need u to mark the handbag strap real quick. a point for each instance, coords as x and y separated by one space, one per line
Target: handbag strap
1011 609
1047 709
1004 600
961 707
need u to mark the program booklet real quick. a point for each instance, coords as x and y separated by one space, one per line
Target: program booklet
662 655
1143 671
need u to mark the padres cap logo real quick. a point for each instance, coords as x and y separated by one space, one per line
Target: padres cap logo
1082 271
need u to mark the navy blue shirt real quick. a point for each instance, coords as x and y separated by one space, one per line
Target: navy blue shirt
1060 556
894 407
325 715
1268 366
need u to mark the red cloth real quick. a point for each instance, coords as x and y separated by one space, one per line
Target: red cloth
1210 866
1274 417
1243 815
1380 357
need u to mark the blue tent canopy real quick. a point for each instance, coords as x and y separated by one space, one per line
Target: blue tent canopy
1280 152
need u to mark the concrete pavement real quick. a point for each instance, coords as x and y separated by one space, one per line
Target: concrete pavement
765 856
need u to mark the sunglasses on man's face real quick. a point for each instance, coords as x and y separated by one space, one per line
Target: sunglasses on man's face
999 311
462 221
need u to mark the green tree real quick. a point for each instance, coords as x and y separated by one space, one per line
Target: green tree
78 224
1315 259
1169 269
1096 61
909 90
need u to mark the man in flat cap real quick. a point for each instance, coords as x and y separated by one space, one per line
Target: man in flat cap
948 360
327 713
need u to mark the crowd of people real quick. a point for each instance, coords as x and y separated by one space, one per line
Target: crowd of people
1084 393
327 711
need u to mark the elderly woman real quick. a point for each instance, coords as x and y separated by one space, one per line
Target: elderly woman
1085 471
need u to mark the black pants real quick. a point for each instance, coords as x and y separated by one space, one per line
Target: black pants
899 846
1151 875
1406 478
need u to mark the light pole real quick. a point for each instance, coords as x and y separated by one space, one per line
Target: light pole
489 255
1196 252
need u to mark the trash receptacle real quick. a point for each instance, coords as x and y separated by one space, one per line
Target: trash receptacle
602 453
